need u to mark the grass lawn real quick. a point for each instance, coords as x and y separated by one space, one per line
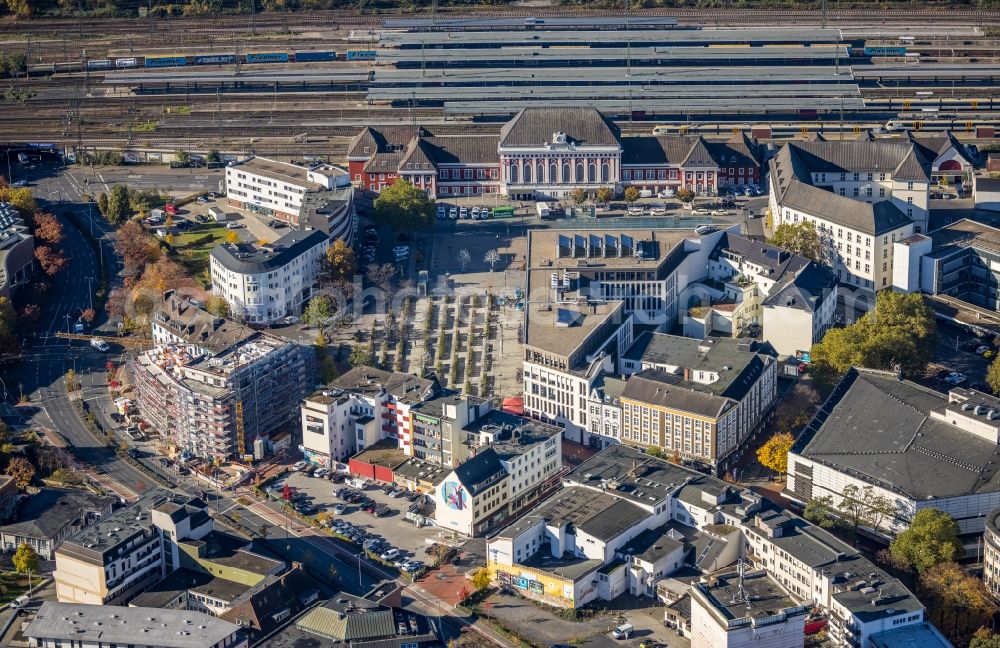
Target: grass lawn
191 248
13 585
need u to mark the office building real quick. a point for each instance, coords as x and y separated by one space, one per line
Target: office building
918 447
671 162
696 399
212 386
991 553
317 197
860 196
97 626
264 284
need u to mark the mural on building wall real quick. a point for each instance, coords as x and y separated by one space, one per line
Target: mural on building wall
454 495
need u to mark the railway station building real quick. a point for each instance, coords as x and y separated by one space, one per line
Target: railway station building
544 153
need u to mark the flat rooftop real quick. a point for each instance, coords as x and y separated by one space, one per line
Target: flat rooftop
601 515
189 580
753 596
963 234
293 174
563 328
534 54
511 434
93 624
585 36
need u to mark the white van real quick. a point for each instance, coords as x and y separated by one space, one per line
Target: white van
645 193
623 631
100 345
19 602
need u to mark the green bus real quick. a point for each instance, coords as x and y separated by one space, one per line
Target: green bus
504 211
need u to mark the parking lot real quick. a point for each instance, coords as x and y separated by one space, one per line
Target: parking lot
393 528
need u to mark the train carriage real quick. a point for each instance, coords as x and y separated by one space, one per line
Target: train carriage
305 57
215 59
267 57
165 61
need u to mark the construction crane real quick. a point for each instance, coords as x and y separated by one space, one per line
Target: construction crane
113 339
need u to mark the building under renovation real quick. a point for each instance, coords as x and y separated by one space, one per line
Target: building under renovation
212 386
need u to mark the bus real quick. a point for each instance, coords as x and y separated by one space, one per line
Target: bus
503 211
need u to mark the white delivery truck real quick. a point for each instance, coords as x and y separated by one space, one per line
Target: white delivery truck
543 210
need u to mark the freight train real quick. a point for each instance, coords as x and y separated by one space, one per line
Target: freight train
180 60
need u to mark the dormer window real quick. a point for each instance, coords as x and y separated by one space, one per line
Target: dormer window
558 138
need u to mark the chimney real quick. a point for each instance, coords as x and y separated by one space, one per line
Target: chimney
687 373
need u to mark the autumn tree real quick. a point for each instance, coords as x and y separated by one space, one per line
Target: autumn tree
102 204
217 306
631 195
48 229
88 315
232 237
773 453
983 638
800 238
605 194
404 207
899 332
957 602
341 262
684 195
19 197
21 470
579 195
135 247
797 408
51 260
931 539
25 560
119 209
481 579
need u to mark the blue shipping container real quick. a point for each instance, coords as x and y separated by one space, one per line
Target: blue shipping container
885 51
360 55
215 59
165 61
268 57
315 56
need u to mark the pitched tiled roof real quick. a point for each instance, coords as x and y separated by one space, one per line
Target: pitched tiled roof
806 290
534 126
740 150
293 590
477 473
385 162
476 149
664 149
381 139
856 156
661 388
931 146
778 261
873 219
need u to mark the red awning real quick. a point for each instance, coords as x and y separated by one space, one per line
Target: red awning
514 405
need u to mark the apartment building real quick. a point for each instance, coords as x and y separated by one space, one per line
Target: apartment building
739 609
758 289
265 283
92 626
125 552
991 553
544 153
511 463
318 197
861 196
867 606
919 448
51 515
17 250
360 408
697 399
213 386
960 260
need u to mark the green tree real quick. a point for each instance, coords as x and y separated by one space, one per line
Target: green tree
773 453
102 204
8 324
899 332
993 375
864 506
800 238
118 210
819 511
217 306
631 195
341 262
213 157
182 157
404 207
319 310
983 638
25 559
361 355
605 194
931 539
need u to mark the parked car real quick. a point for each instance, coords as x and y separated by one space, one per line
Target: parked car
720 212
339 509
666 193
955 378
623 631
389 554
658 210
475 213
412 566
463 213
299 465
442 213
453 213
291 319
636 210
234 226
701 211
983 348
